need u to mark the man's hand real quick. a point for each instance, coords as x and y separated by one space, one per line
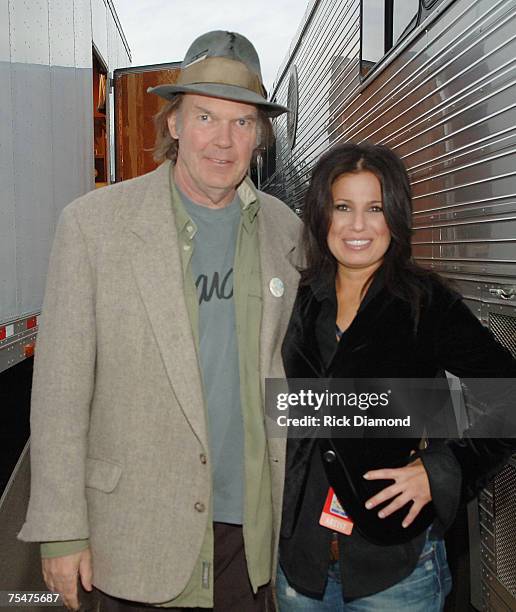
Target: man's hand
60 574
410 484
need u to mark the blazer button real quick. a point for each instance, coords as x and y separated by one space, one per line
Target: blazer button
199 506
329 456
203 458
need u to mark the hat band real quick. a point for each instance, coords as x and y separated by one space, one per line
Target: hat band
223 71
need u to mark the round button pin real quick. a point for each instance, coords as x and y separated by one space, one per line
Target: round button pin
329 456
277 287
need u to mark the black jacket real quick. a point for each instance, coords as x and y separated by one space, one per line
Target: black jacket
382 342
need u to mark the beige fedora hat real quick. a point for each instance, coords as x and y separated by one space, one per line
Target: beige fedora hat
225 65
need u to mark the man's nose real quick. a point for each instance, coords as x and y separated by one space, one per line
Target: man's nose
223 136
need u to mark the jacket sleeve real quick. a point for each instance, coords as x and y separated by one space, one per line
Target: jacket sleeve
60 549
62 391
459 468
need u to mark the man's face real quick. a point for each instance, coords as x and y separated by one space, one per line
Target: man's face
216 141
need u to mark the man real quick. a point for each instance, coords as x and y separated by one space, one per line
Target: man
167 300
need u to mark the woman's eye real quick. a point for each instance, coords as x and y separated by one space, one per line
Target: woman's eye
342 207
376 209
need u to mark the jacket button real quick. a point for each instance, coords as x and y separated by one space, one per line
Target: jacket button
203 458
199 506
329 456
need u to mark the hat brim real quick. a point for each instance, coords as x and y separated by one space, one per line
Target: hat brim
227 92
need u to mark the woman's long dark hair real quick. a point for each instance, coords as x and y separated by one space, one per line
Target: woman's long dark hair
403 277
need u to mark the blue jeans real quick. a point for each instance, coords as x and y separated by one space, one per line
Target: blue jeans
424 590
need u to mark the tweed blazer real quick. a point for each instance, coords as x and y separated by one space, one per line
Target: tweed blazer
118 421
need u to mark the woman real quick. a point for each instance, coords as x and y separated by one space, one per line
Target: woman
364 309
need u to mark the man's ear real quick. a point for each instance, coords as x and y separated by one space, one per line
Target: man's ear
172 125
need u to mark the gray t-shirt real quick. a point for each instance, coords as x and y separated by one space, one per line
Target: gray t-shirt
212 262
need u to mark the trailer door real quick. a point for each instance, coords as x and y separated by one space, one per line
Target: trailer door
134 112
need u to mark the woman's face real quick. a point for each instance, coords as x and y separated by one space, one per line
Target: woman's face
358 236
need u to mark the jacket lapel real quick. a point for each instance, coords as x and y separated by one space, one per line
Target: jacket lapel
157 268
277 263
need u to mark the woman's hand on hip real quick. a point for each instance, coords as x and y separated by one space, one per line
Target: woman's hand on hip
410 484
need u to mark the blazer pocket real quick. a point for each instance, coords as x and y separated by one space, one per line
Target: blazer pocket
102 475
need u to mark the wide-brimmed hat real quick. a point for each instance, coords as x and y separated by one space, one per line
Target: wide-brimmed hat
222 65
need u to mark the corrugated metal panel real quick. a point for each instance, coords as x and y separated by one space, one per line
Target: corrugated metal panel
446 104
445 100
327 56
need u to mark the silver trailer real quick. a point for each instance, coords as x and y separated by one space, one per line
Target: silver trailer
52 139
56 62
436 81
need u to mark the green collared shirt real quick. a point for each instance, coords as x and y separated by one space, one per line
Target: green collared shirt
257 527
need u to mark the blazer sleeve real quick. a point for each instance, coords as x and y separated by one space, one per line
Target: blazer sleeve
62 391
459 468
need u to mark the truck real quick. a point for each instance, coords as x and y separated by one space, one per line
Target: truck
435 80
57 59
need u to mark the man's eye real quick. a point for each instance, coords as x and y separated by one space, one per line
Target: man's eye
204 117
243 122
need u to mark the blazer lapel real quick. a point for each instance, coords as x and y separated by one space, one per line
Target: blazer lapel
276 261
157 268
278 272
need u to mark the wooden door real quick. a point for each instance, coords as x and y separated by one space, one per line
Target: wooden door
134 112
